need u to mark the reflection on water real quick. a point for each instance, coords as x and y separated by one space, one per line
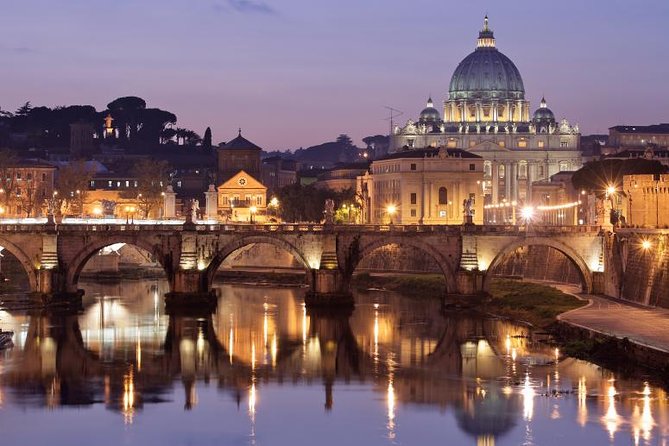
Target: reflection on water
263 369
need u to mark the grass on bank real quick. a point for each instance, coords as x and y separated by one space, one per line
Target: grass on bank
414 285
530 302
518 300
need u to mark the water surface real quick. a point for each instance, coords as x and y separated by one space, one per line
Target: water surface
262 370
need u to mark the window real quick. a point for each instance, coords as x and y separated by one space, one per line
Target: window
413 198
472 167
522 170
564 166
502 143
502 170
259 200
413 166
43 177
487 169
443 195
179 183
442 214
413 212
472 143
540 171
564 144
540 144
522 143
410 142
452 143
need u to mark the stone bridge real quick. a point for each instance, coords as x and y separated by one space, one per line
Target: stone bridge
53 256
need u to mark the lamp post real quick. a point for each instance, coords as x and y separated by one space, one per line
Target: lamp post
274 205
391 209
129 214
253 211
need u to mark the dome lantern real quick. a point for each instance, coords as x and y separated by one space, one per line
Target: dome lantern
486 37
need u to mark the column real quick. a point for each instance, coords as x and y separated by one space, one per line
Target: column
495 182
211 198
169 203
507 181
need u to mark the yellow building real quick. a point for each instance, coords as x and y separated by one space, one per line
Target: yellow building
428 186
242 198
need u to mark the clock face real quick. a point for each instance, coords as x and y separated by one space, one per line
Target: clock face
241 181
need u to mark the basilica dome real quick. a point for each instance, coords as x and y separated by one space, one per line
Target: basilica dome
429 113
486 73
543 113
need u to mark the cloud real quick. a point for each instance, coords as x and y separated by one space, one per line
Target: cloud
18 49
247 7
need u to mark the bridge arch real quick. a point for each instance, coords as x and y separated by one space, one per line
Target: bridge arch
26 262
77 263
571 254
446 270
243 241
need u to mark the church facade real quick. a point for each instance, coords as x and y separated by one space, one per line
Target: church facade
486 113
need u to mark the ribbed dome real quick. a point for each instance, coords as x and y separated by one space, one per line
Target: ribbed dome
543 113
486 73
429 113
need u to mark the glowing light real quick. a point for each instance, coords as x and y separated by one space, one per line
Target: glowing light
646 245
611 419
527 213
507 343
128 402
610 190
252 401
201 265
514 354
647 421
528 399
582 407
391 409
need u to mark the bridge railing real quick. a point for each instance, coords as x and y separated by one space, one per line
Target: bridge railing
300 228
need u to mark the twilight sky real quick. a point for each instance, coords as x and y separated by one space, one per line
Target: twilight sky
295 73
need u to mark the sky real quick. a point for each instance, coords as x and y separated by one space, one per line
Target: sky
294 73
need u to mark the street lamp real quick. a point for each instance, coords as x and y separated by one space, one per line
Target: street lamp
274 205
527 214
97 211
391 209
129 214
253 210
646 245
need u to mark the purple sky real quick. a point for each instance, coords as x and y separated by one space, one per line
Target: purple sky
299 72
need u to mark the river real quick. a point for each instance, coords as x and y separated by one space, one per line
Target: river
263 370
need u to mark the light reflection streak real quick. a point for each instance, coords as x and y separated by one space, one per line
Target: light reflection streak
611 419
647 421
390 398
375 349
138 351
582 414
528 399
231 340
128 397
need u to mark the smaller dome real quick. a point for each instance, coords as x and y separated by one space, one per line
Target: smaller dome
429 113
543 113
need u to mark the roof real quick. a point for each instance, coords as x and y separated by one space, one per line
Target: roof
241 143
241 180
429 152
655 128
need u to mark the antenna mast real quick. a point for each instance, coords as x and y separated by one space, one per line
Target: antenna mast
394 113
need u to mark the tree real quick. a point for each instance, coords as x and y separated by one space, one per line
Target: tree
152 177
306 203
8 181
24 110
344 140
126 112
206 141
72 186
153 123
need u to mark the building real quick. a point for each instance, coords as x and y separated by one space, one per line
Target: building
648 152
647 199
278 172
239 154
637 136
25 187
426 186
242 198
486 113
341 177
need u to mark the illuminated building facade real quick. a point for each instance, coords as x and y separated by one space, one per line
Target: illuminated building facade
428 186
486 113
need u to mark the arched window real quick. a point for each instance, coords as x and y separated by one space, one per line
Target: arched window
443 195
564 166
487 169
501 171
522 170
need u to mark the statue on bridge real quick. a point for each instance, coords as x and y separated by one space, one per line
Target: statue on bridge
468 209
329 211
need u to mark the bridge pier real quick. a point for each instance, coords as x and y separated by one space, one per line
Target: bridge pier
328 289
52 291
190 290
469 283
